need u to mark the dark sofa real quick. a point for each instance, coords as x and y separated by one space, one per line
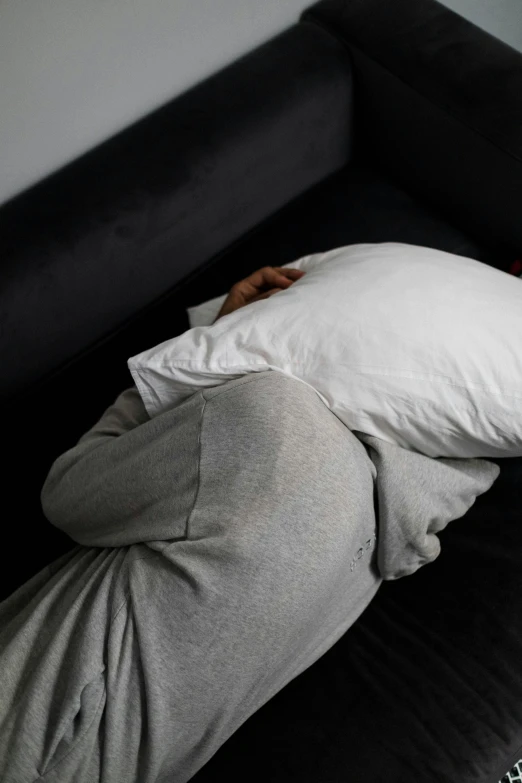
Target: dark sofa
366 121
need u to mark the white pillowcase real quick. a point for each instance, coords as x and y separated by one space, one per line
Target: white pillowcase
416 346
206 313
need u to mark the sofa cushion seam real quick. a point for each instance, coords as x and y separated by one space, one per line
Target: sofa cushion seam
428 99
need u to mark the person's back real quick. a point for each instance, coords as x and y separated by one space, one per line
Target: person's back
218 557
224 546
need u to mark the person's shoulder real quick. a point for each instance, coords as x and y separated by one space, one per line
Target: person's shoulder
261 387
277 401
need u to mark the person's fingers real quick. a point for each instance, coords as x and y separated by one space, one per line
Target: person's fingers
265 294
283 278
253 288
267 276
292 274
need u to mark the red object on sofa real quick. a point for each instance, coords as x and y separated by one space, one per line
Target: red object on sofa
516 268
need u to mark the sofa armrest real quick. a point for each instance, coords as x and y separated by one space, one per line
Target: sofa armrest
438 103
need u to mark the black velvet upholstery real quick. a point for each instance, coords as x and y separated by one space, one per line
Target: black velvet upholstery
277 156
438 104
117 228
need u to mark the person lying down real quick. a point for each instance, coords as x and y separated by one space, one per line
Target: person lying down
222 548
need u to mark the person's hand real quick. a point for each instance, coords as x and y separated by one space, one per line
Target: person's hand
259 285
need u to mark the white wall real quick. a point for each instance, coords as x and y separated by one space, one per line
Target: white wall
74 72
502 18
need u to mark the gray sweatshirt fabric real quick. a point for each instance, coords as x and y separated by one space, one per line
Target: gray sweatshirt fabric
223 547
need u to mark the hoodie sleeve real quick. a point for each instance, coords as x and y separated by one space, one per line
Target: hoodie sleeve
126 413
417 496
130 479
73 466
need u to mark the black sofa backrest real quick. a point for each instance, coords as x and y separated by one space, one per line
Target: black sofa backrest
438 104
410 85
100 240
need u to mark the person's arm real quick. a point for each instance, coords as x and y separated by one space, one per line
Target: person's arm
78 470
126 412
103 491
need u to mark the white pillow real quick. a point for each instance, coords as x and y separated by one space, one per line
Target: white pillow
205 314
416 346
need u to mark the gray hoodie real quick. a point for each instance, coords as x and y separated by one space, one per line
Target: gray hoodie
223 547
